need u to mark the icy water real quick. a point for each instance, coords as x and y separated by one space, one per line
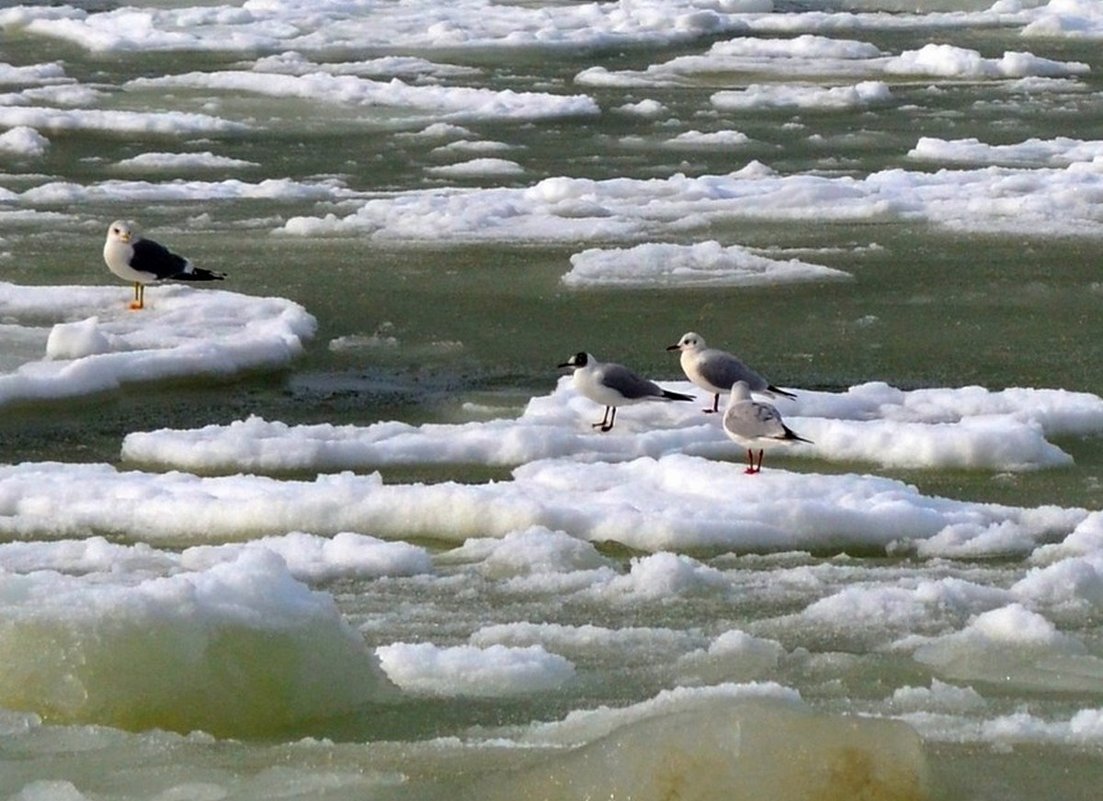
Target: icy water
338 527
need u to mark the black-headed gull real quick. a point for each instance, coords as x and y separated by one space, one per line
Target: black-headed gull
614 385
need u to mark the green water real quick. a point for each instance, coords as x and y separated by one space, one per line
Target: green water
488 323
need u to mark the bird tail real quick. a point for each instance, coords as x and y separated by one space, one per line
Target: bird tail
676 396
775 391
790 434
190 273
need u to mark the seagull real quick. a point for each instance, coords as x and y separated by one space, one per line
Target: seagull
614 385
753 423
144 261
715 370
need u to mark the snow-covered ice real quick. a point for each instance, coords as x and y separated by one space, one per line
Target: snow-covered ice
986 199
676 502
968 427
705 263
73 341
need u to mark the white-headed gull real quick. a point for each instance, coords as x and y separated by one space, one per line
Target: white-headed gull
143 261
715 370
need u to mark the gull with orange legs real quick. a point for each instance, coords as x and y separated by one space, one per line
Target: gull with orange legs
143 261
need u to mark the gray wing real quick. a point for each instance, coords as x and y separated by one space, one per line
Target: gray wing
155 259
752 420
722 370
631 386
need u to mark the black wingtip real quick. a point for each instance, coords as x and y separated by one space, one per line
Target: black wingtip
793 435
676 396
782 392
199 274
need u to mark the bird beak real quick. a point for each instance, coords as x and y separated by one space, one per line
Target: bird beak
124 238
565 364
673 347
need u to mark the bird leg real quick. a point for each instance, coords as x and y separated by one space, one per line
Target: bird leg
751 467
715 405
607 421
139 296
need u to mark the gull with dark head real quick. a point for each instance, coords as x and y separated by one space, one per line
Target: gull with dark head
613 385
715 370
755 424
143 261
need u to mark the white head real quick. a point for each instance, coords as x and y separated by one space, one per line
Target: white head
741 391
121 231
690 340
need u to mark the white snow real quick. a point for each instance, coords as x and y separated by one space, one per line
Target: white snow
1059 200
946 61
98 344
167 123
968 427
679 503
23 141
702 264
240 646
1067 18
307 557
818 58
477 168
466 670
803 97
1014 646
1057 152
306 25
458 103
170 162
64 192
697 140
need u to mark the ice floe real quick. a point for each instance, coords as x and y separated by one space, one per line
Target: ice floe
24 141
467 670
77 340
307 557
969 427
821 59
675 503
805 98
166 123
1057 152
587 210
170 162
1014 646
458 103
251 647
702 264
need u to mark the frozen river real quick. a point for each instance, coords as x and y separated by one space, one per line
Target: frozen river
337 527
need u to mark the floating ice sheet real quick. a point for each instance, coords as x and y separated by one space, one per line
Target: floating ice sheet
675 503
444 102
968 427
309 25
94 343
585 210
705 263
238 648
